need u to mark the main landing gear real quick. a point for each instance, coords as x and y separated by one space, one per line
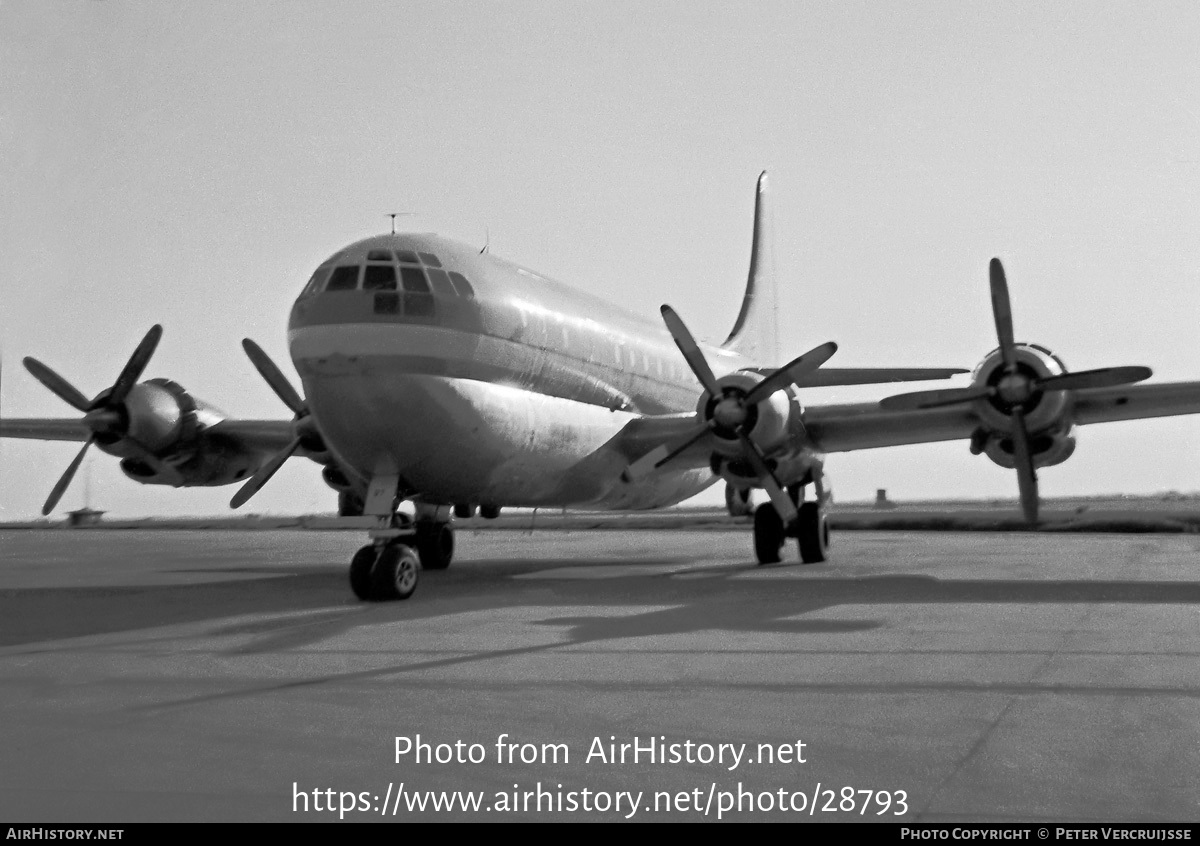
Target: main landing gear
811 530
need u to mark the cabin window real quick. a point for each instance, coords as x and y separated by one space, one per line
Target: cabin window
462 286
440 280
430 259
379 277
379 255
407 256
344 278
418 301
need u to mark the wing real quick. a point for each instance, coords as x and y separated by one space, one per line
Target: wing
253 435
44 429
840 428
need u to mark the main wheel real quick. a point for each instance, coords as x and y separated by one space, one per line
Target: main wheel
349 505
360 571
435 545
396 572
737 503
814 534
768 534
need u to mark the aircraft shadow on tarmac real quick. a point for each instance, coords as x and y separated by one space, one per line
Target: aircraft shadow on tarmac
314 605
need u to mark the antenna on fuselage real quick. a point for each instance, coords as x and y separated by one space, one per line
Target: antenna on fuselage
487 240
394 215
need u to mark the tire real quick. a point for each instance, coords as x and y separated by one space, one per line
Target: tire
814 534
435 545
360 572
768 534
396 572
349 505
737 503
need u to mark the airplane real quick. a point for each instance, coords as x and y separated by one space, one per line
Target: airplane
445 376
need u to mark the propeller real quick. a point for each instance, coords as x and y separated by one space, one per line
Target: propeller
104 415
731 410
284 390
1016 389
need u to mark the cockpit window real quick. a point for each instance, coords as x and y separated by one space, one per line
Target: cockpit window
430 259
379 255
407 256
344 278
414 280
440 280
418 301
462 286
379 277
316 283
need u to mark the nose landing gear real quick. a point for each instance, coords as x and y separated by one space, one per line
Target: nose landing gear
384 571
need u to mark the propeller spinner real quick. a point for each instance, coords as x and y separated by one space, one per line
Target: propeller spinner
1017 390
104 415
730 411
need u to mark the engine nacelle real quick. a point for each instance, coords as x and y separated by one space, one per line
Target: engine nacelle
1047 448
159 417
1042 410
215 460
163 439
768 422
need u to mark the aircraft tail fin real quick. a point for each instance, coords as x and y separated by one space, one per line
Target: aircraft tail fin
756 332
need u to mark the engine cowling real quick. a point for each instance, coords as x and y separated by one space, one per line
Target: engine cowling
1047 448
1047 414
163 438
768 423
1043 410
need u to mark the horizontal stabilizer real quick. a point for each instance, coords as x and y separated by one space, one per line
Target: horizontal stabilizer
830 377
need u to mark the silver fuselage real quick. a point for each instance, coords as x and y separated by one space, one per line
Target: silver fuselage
509 390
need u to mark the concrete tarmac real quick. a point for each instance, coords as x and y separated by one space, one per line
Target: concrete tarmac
929 677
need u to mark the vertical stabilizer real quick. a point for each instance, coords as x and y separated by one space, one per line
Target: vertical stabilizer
756 333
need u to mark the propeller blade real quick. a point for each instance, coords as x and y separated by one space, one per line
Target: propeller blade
59 386
1104 377
660 455
934 399
1026 475
61 487
133 369
690 349
263 475
792 372
275 378
779 498
1002 311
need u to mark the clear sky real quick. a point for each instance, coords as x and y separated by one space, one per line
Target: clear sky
190 163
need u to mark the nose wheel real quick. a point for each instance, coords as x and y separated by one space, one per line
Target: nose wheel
385 572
